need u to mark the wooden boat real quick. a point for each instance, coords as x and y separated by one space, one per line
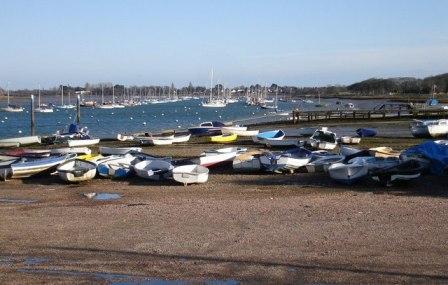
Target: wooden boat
82 142
323 139
223 138
350 140
429 128
19 141
115 166
27 168
247 162
190 174
104 150
269 135
66 150
153 169
240 133
365 133
77 170
207 129
181 138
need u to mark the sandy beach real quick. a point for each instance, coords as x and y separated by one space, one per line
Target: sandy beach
237 228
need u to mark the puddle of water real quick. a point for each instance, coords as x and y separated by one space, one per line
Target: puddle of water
124 279
30 261
102 196
5 261
16 201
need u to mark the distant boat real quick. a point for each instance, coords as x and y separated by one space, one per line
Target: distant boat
63 106
42 108
215 157
323 139
213 103
12 108
104 105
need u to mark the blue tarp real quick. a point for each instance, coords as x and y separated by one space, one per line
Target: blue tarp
436 153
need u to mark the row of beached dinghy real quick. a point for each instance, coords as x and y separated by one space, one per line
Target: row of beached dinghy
347 166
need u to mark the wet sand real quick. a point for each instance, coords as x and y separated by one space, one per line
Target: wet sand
248 228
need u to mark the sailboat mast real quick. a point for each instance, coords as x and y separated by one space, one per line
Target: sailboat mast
62 95
102 94
113 94
7 92
38 100
211 85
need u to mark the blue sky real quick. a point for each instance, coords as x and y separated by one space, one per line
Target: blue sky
302 43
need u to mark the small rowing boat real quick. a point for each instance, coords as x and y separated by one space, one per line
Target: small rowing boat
190 174
77 170
224 138
153 169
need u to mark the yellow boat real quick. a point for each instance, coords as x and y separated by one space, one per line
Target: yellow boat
224 138
90 157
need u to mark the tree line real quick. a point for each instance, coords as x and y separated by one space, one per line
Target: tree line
372 86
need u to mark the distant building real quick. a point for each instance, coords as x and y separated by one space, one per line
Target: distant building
82 92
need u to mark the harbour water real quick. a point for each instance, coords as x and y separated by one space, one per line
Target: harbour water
106 123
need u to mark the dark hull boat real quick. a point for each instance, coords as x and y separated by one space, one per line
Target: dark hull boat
207 129
404 171
365 133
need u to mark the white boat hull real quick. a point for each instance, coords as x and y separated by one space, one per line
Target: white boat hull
76 171
240 133
67 150
153 169
181 139
20 140
86 142
190 174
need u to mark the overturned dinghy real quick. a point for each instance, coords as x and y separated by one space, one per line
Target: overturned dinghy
404 171
77 170
153 169
190 174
